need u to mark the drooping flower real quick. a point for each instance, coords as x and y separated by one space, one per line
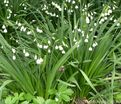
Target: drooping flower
56 47
60 48
63 52
14 57
39 61
29 32
39 45
5 30
26 54
35 57
3 27
39 30
87 20
86 40
45 46
94 44
90 48
13 50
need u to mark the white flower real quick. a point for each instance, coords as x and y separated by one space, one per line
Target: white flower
9 10
33 20
63 52
39 45
74 39
35 57
49 50
106 14
94 44
6 4
90 48
109 11
56 47
95 24
118 24
5 31
39 30
19 24
79 30
91 29
91 17
39 61
115 20
26 54
22 27
29 32
82 33
75 27
56 99
49 42
3 27
86 40
13 50
105 18
45 46
59 9
76 7
8 17
102 20
15 15
71 10
16 22
14 57
111 18
24 51
87 36
114 8
5 1
73 2
16 41
25 8
53 3
87 20
60 48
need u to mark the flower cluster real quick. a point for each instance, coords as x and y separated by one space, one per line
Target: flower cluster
6 2
4 29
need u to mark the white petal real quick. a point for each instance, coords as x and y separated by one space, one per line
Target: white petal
3 27
13 50
45 46
14 57
60 48
90 48
39 30
56 47
26 54
39 61
86 40
87 20
5 31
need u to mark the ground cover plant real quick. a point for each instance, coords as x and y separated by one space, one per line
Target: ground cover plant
60 52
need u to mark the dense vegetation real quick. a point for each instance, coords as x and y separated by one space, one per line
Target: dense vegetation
60 52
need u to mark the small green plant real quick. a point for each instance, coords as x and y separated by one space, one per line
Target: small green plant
60 47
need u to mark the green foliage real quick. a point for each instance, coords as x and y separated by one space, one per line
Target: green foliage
53 49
